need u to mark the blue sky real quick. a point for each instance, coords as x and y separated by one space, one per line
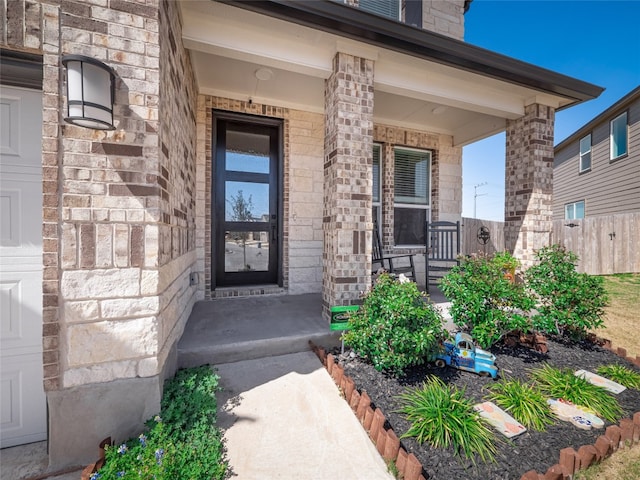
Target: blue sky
594 41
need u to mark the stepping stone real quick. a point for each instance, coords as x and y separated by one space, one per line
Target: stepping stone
599 381
499 419
579 416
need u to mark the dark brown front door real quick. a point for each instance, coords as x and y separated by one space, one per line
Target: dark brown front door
246 227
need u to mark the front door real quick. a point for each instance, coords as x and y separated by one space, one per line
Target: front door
246 225
22 402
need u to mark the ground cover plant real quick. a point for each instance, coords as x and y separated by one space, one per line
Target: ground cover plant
396 326
181 442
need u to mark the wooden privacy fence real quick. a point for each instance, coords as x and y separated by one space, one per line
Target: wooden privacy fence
605 244
472 233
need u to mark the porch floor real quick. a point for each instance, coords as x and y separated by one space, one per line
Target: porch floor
226 330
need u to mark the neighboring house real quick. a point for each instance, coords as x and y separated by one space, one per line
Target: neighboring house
596 170
306 115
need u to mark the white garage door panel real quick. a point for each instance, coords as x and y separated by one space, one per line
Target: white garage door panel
21 128
21 208
23 401
20 422
21 313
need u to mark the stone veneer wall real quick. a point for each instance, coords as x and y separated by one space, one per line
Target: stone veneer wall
302 191
444 16
118 210
529 182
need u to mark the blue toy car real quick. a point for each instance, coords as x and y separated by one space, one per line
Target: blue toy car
464 355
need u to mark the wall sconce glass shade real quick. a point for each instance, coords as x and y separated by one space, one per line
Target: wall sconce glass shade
90 92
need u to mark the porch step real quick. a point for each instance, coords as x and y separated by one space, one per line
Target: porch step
252 350
226 330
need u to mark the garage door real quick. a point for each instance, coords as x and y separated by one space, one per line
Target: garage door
22 398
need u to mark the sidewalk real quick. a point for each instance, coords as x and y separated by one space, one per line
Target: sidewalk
283 418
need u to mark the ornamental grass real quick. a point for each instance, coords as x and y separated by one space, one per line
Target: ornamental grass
620 374
562 383
522 401
443 418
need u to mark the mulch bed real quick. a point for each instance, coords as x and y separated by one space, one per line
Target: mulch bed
530 451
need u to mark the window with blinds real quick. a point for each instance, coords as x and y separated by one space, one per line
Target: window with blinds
385 8
412 190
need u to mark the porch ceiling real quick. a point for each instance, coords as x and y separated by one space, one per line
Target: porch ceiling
228 45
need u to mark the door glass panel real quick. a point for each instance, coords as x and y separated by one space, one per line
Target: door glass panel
246 252
247 202
247 152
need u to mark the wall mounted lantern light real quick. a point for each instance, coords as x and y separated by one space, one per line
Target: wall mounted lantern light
90 92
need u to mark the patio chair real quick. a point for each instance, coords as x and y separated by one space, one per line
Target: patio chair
394 264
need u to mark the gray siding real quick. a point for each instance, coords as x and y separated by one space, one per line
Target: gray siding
610 186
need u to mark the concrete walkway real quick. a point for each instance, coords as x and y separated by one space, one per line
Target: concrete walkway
283 418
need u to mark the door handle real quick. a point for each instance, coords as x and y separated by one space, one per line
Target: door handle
273 233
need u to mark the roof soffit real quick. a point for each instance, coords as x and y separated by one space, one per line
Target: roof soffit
227 31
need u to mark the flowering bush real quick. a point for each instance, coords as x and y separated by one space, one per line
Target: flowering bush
182 442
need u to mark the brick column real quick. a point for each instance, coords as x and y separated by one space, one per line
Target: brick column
348 181
529 182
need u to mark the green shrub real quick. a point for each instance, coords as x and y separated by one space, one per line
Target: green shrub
562 383
395 327
524 402
441 416
568 301
182 442
484 300
622 375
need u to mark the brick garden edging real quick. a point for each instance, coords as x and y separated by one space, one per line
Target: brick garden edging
409 467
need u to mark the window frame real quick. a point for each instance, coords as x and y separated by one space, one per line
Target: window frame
426 207
377 203
573 206
612 134
582 168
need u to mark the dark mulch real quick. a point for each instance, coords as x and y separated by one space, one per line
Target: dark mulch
530 451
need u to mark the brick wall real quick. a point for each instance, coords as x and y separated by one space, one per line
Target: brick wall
176 181
529 182
111 202
446 175
118 215
348 181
